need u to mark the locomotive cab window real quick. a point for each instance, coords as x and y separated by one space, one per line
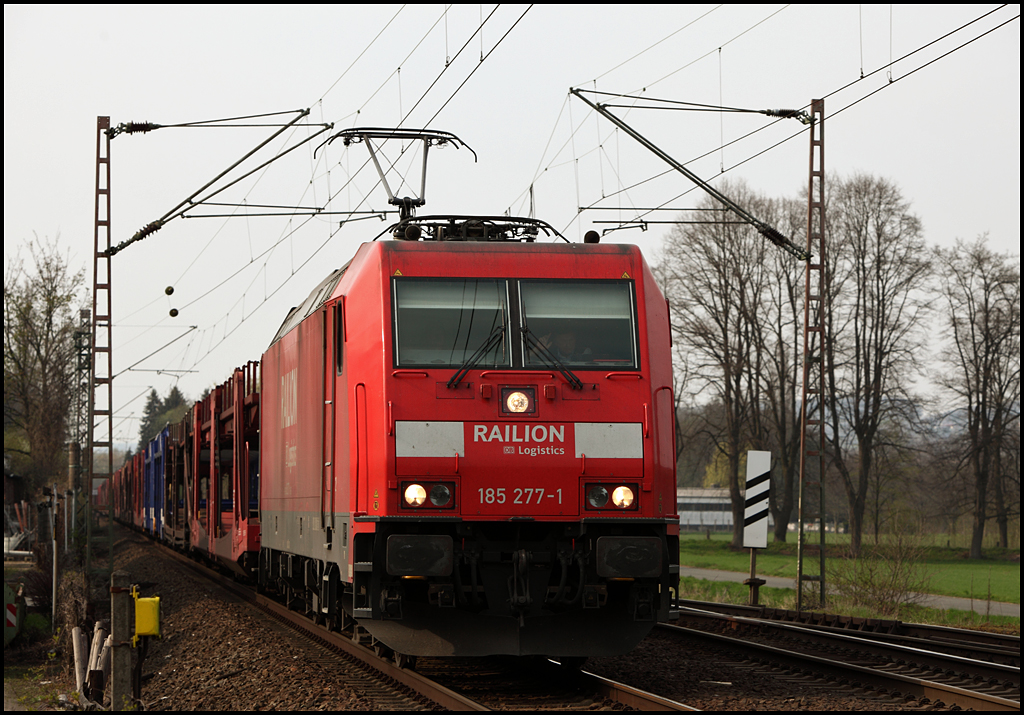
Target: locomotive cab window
586 324
445 323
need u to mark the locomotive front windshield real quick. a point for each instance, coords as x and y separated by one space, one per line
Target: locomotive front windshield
444 323
579 323
458 322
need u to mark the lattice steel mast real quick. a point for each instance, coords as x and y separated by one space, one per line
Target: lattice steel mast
812 413
101 404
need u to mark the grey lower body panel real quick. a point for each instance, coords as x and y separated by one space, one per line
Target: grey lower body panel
494 588
427 631
302 534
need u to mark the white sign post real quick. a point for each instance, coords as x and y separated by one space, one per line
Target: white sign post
755 513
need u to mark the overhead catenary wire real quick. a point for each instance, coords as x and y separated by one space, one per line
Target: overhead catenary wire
156 225
404 61
407 114
730 142
723 170
652 46
763 228
539 171
357 184
710 52
573 131
691 106
370 44
833 93
144 127
164 346
196 257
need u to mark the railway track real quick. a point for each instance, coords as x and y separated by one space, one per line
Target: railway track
510 683
878 661
770 675
979 645
453 684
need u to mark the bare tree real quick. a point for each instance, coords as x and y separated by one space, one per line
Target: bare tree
878 266
776 418
40 302
1009 478
980 291
700 428
714 274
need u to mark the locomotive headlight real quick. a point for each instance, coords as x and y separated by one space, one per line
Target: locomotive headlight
597 497
415 495
517 402
622 497
440 495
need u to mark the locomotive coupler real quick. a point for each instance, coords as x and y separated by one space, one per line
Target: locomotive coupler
594 596
391 603
519 584
565 557
472 558
442 595
642 604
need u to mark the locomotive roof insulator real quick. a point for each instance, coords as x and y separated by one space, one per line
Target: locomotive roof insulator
412 232
471 228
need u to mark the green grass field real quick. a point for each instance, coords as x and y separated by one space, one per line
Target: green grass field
996 577
728 592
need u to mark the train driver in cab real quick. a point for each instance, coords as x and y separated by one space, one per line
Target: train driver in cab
564 344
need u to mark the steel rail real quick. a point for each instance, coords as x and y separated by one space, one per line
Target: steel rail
961 641
913 638
629 696
445 697
866 643
905 684
410 679
424 686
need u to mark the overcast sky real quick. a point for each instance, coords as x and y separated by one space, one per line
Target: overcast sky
946 130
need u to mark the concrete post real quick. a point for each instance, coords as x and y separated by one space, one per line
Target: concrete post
55 555
81 657
74 464
121 627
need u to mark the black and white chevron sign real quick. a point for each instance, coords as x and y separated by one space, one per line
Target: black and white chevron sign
755 513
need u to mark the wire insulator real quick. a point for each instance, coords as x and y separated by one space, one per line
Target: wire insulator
788 114
147 230
132 128
782 242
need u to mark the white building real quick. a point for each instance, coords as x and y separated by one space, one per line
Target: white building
706 509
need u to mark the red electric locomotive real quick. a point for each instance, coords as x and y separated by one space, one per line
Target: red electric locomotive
464 440
468 444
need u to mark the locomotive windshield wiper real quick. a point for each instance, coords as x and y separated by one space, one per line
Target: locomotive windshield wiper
492 340
552 361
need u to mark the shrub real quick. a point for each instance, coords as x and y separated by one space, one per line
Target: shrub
889 578
35 628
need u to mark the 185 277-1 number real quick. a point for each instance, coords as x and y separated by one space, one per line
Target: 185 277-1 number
517 495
